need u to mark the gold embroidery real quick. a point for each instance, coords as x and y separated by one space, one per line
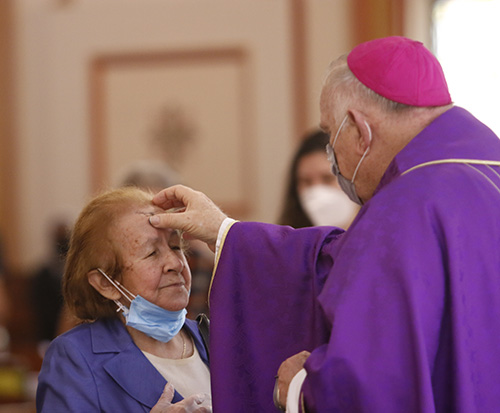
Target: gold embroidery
468 162
223 239
463 161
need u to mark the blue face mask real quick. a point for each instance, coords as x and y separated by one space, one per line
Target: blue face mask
152 320
347 186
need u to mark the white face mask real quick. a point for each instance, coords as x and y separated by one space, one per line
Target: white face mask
326 205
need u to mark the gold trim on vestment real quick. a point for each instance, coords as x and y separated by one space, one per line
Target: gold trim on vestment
468 162
463 161
223 239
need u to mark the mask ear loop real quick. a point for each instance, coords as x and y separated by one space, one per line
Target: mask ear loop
123 291
366 151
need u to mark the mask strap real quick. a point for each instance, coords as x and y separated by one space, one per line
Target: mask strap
363 157
369 130
123 291
339 129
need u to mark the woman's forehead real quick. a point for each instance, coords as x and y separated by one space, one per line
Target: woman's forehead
147 210
138 218
135 211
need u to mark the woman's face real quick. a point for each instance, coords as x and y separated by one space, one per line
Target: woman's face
154 264
314 169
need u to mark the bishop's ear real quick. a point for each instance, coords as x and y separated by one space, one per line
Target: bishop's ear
102 285
364 129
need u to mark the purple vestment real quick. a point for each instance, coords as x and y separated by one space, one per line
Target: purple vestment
402 312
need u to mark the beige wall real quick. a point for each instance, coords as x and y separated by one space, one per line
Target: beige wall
57 42
8 154
59 126
328 35
417 20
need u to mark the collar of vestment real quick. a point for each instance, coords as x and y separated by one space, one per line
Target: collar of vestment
453 137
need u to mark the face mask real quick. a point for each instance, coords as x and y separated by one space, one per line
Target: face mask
326 205
152 320
346 185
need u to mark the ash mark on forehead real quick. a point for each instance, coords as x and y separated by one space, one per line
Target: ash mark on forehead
147 214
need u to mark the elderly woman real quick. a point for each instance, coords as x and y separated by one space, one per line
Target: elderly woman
129 284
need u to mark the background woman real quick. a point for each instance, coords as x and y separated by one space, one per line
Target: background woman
313 196
121 361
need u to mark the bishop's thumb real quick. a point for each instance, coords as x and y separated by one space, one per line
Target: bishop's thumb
165 220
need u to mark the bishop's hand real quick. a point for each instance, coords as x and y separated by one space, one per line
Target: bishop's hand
197 215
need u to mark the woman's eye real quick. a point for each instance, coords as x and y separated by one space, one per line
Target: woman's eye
175 247
151 254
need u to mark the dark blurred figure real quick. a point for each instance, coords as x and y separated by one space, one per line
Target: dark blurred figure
4 297
46 293
15 384
313 196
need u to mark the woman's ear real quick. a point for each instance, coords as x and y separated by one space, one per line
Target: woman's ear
102 285
364 129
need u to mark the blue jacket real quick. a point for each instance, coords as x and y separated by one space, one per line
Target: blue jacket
96 367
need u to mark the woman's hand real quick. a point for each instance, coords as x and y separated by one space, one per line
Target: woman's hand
197 403
199 216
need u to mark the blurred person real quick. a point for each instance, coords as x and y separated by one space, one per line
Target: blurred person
128 283
401 312
313 196
16 379
46 284
148 174
4 296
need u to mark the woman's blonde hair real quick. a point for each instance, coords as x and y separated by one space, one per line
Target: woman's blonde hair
91 246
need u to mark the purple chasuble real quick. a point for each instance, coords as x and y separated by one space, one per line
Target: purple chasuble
264 310
409 307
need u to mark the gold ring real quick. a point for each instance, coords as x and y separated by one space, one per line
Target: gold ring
276 396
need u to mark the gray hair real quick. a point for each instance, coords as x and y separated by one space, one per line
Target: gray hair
343 88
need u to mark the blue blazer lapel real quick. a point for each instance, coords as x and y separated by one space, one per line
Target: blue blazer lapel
127 366
128 362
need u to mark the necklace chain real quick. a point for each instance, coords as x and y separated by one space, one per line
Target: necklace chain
183 346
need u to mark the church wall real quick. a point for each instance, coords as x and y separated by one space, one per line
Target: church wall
59 43
75 58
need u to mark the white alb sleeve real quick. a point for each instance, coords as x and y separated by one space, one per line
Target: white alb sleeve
293 397
222 230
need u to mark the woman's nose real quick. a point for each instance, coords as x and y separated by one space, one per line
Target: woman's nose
173 262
